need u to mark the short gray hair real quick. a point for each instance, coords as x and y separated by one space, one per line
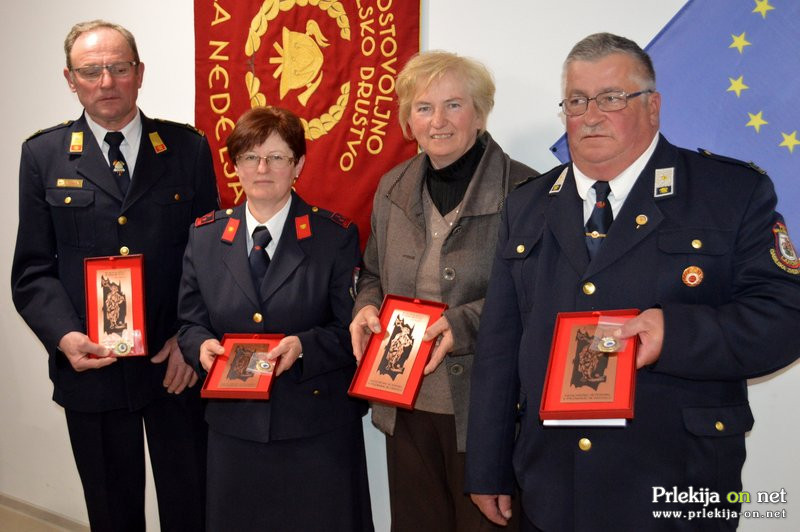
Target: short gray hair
82 27
599 45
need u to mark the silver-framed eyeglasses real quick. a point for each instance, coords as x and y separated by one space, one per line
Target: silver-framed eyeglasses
275 161
606 101
123 69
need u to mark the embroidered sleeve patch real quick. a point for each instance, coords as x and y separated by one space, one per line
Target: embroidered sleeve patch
784 254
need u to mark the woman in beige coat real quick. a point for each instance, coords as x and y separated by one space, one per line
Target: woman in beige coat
434 227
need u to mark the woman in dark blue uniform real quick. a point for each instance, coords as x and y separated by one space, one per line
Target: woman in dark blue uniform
295 461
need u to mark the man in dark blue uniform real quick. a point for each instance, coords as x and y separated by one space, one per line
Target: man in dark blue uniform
694 242
85 193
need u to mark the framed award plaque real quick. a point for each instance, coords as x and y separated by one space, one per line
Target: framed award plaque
243 371
115 304
591 374
391 368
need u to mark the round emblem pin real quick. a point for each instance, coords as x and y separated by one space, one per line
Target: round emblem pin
608 344
264 365
122 347
692 276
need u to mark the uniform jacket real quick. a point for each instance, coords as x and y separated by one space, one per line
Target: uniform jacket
306 293
740 322
71 208
397 243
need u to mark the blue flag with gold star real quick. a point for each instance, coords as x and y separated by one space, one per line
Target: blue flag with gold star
729 75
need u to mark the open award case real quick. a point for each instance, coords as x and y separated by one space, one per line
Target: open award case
115 303
243 371
591 373
391 368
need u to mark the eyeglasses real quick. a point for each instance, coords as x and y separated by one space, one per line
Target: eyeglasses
275 161
606 101
117 70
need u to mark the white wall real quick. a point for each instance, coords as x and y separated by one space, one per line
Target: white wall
522 41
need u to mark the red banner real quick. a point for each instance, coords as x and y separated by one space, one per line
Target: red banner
333 63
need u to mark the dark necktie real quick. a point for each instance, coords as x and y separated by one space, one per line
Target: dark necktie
259 260
117 162
600 220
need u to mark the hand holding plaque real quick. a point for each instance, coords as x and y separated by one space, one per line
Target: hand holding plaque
391 369
243 371
591 372
115 304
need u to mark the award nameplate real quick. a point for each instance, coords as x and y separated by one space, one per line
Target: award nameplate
243 371
591 373
391 369
115 303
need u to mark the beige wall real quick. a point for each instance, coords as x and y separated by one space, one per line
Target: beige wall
524 51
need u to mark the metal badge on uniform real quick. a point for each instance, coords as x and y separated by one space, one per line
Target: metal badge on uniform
692 276
158 144
302 227
230 230
556 188
783 254
69 183
664 184
119 167
76 142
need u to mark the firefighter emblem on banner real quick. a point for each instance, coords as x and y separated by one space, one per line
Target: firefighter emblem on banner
333 63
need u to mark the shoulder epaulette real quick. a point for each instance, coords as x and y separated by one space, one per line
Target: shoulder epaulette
212 217
527 180
731 160
190 127
57 126
337 218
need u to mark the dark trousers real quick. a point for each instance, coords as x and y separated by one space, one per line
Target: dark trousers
426 478
109 451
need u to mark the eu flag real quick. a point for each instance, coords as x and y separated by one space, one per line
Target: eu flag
729 75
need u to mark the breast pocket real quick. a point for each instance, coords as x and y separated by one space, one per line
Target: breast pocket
522 253
695 264
175 208
72 211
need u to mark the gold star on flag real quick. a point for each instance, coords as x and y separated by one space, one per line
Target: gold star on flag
789 141
739 42
737 86
762 6
756 121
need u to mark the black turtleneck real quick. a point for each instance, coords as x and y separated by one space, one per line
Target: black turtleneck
448 185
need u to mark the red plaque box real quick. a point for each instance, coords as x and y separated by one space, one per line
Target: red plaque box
591 373
115 303
230 377
391 368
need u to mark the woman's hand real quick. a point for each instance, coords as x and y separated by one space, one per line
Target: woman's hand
209 351
365 323
289 350
444 345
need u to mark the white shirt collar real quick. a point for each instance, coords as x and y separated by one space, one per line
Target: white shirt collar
621 185
274 225
129 147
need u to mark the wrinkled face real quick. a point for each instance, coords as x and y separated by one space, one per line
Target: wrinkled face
603 144
264 184
110 101
444 121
